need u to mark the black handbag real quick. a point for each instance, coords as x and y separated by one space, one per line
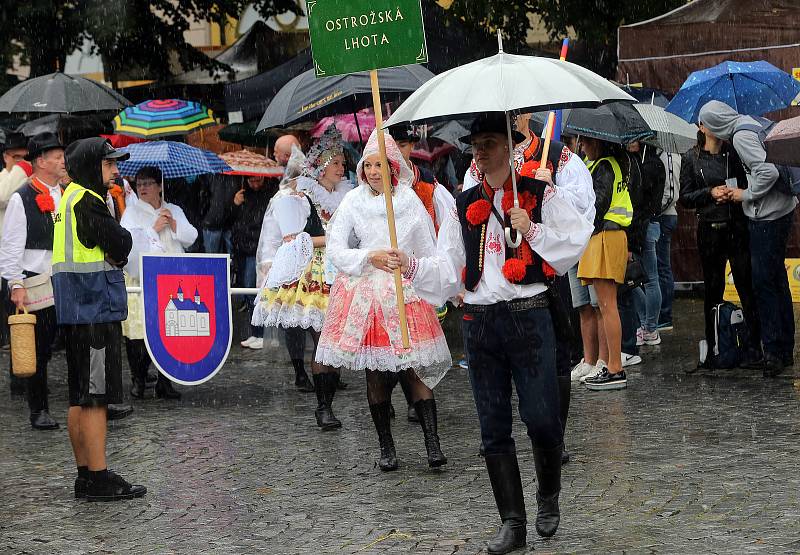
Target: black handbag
635 276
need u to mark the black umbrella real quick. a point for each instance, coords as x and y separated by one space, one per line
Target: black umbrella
68 128
619 123
245 133
306 97
58 93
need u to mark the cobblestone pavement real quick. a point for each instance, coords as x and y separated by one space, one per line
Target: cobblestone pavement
674 464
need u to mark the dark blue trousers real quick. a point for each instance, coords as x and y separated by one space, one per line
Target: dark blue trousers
519 345
768 240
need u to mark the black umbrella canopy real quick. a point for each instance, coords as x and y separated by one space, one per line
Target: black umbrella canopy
618 122
306 97
58 93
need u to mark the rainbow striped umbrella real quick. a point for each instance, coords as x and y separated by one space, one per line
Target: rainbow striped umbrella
163 118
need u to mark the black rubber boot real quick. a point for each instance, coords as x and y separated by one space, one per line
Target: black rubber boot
507 488
380 416
426 412
301 380
164 389
548 482
564 391
325 387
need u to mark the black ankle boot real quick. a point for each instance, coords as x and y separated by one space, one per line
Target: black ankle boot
426 412
164 389
380 416
137 389
548 482
301 381
325 387
507 488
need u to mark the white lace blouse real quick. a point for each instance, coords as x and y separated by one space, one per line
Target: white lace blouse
360 226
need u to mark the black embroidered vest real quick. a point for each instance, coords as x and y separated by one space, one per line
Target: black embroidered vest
314 223
39 224
475 236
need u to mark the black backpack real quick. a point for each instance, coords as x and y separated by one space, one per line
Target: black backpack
788 181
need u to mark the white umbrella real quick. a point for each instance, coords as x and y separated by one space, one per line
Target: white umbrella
507 83
673 134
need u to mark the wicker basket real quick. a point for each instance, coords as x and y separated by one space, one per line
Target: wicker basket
23 344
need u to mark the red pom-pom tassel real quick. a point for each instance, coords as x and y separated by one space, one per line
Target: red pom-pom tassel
548 270
478 212
45 202
464 274
514 270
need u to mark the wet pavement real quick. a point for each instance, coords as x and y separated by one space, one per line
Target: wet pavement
704 463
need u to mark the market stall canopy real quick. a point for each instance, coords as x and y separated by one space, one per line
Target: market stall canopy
661 52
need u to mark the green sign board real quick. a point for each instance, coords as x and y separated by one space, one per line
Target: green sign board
357 35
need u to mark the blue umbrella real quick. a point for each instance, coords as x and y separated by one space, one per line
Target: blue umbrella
173 159
750 88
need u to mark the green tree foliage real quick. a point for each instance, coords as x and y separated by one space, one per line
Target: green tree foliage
593 22
147 35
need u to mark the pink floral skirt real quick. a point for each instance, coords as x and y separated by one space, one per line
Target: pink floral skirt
362 329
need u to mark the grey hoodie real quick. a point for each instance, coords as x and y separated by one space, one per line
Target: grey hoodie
761 200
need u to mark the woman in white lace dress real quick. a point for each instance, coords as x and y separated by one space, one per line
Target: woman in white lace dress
298 285
362 327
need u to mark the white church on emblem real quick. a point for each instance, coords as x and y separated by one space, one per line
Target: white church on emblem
185 317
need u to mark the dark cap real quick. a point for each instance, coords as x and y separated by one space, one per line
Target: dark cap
41 143
404 132
111 153
15 140
491 122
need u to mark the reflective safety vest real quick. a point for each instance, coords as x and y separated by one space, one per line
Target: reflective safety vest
87 289
621 210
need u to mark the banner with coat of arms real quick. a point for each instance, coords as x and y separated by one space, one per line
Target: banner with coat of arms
187 314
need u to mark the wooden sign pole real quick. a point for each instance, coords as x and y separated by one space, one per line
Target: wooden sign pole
387 195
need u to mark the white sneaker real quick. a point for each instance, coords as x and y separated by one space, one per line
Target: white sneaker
651 337
639 337
630 360
580 370
248 341
596 371
257 343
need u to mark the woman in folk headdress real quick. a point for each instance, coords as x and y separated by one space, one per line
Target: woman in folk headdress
362 327
296 291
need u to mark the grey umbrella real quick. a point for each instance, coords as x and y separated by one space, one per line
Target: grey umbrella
306 97
616 123
58 93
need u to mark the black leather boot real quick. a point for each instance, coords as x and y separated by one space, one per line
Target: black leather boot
301 381
564 391
548 482
507 488
41 420
325 387
426 412
164 389
380 416
106 485
117 412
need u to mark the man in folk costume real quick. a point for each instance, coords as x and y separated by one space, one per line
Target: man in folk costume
438 203
508 326
26 250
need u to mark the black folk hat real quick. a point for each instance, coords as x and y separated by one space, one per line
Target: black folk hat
41 143
404 132
491 122
15 140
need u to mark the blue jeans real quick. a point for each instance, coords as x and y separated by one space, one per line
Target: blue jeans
506 344
768 241
648 303
215 239
247 278
666 282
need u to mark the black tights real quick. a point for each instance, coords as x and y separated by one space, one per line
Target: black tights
316 367
381 384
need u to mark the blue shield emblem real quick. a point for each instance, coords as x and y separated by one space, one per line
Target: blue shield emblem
187 314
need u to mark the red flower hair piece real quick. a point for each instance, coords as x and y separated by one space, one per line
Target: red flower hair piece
514 270
45 202
478 212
